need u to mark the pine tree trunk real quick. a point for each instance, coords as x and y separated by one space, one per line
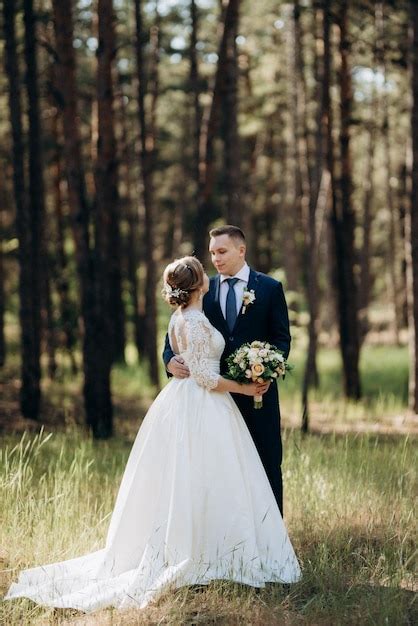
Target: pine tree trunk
2 289
308 204
147 166
60 265
36 180
107 196
365 282
327 125
96 357
40 269
392 254
413 219
343 222
320 191
209 129
48 315
229 106
30 393
292 213
132 260
304 175
404 197
270 210
195 90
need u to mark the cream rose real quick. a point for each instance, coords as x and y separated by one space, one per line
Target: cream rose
257 369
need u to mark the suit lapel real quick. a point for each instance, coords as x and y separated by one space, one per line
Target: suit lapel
215 307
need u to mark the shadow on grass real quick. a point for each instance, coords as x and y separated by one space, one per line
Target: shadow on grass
353 575
365 604
229 604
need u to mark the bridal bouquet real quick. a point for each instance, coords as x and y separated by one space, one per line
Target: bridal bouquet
256 362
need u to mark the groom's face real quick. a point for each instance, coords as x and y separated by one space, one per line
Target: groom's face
227 254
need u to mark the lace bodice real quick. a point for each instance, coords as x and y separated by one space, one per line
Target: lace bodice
199 343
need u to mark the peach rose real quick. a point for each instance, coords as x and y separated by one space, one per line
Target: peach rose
257 369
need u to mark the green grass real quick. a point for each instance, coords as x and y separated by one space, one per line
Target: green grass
384 380
349 500
348 507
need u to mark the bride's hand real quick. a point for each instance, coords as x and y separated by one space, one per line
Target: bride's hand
250 389
263 387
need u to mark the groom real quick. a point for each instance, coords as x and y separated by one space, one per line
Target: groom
265 319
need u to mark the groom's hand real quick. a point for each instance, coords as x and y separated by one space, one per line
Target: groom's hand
177 368
263 387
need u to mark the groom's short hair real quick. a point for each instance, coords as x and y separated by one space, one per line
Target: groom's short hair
232 231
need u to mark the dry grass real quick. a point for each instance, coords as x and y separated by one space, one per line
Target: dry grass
350 501
349 510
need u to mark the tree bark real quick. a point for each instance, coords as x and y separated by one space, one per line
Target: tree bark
392 253
60 271
48 314
96 360
316 216
320 187
30 392
209 129
2 288
296 194
36 179
133 225
147 167
343 222
107 195
41 286
195 90
309 196
413 219
229 106
365 282
303 173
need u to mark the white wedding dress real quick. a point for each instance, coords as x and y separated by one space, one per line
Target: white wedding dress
194 503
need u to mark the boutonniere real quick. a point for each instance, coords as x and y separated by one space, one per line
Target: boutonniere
248 297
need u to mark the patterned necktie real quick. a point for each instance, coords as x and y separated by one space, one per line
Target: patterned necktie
231 303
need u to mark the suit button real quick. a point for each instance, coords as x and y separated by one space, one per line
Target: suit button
231 339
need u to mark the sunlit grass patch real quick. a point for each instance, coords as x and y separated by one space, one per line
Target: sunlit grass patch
384 379
348 506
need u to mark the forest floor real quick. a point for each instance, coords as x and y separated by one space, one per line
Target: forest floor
350 492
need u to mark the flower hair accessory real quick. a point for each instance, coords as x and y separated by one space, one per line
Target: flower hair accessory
248 297
175 292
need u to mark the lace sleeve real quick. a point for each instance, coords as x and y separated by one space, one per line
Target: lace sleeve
198 337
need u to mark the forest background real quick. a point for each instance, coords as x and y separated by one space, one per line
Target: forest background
128 129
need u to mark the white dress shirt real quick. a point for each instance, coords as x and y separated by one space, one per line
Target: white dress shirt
239 287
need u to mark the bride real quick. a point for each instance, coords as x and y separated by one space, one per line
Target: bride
194 503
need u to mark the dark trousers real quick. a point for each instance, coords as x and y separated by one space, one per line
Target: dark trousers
264 427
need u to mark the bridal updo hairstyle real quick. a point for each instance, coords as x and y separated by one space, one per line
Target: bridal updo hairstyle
182 278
